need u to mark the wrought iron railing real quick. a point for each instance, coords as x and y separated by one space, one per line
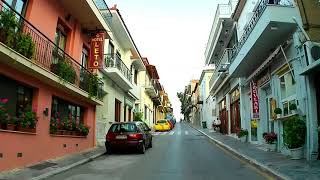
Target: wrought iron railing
254 20
114 61
27 40
153 84
222 10
223 60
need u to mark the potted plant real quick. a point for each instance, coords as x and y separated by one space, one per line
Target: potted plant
278 112
4 116
293 108
28 121
138 116
271 139
242 134
294 136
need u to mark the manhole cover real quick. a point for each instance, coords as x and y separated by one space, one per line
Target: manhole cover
43 165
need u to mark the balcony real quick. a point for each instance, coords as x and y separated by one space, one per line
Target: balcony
118 71
32 52
104 10
270 26
220 32
221 71
86 12
135 92
151 89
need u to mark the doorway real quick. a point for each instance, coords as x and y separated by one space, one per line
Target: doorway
317 87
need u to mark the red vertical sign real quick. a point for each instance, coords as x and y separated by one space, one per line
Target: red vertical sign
254 100
96 51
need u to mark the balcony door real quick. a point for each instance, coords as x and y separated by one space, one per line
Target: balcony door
18 5
117 114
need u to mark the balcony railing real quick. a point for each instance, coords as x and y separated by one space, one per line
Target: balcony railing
222 10
20 35
104 10
254 20
153 84
223 60
114 61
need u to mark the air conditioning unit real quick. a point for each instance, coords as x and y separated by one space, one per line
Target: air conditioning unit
312 50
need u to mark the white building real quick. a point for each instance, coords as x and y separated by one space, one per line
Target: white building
123 64
207 102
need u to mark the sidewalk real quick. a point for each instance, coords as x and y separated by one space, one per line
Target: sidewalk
49 168
272 162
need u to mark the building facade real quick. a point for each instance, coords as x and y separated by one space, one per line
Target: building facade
252 79
206 101
45 80
122 65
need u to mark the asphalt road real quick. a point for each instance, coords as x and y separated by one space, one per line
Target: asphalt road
182 154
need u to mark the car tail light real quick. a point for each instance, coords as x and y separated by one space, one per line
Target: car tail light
135 136
110 136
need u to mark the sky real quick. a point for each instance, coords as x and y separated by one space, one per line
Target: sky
173 35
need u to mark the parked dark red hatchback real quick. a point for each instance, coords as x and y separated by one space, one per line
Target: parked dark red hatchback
128 135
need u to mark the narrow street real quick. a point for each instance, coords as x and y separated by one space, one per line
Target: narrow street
182 153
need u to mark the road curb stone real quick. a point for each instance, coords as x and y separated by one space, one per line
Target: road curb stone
243 156
63 169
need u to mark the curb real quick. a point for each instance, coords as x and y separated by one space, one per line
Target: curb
63 169
245 157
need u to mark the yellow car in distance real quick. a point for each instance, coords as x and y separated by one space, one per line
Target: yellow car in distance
162 125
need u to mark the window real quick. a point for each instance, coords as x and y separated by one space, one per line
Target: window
111 49
84 58
287 91
18 5
136 76
287 85
126 127
117 113
19 96
24 99
64 109
60 37
124 113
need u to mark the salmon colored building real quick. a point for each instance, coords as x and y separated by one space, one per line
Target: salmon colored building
43 69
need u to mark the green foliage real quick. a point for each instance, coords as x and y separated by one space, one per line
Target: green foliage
65 71
8 26
93 85
293 107
25 45
4 116
28 118
294 132
277 110
10 35
83 129
241 132
138 116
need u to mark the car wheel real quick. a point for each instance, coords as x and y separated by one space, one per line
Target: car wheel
142 149
108 150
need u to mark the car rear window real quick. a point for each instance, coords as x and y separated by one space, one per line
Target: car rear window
162 121
126 127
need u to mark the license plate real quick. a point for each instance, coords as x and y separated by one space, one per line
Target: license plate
121 137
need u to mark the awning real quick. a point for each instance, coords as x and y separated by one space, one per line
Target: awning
264 65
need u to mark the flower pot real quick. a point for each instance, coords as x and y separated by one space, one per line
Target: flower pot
271 147
296 153
11 127
25 129
293 111
278 116
3 126
243 139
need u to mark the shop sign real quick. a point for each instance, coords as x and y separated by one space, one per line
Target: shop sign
254 100
96 51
